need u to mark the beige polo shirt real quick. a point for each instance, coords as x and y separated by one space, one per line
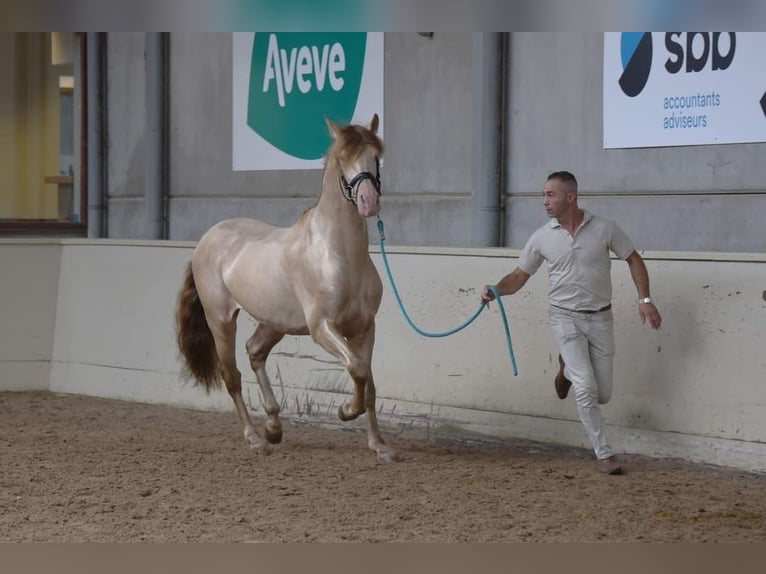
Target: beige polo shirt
579 267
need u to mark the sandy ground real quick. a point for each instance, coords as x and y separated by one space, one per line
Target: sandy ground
77 469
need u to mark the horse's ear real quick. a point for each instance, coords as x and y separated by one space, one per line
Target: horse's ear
374 124
333 128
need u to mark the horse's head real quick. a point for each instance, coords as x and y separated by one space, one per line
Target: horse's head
356 151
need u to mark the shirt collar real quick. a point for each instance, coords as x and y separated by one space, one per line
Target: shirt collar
554 222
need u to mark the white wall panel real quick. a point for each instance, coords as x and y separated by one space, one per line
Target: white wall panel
694 389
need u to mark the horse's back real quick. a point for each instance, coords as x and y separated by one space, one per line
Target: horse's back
240 228
226 239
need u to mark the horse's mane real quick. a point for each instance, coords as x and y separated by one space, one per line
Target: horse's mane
351 141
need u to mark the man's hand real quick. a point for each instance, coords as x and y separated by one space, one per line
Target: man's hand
487 295
650 312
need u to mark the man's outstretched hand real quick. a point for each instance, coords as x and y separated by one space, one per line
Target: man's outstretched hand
487 295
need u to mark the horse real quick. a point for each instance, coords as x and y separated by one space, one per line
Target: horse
314 278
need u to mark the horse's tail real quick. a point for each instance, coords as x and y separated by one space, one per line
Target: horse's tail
195 340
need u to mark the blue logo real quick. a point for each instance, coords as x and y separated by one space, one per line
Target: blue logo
636 55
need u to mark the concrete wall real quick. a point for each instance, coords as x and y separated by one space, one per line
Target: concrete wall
29 287
204 189
692 390
703 198
429 105
427 171
126 135
114 331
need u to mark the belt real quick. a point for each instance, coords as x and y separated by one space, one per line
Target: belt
586 312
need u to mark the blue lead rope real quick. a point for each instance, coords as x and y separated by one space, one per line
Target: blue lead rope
420 331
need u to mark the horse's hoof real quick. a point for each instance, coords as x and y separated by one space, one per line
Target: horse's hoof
257 444
273 436
344 417
260 449
389 457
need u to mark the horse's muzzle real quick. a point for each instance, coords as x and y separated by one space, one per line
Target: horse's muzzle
367 199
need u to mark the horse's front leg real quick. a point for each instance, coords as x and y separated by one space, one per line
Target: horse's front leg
374 440
356 355
327 336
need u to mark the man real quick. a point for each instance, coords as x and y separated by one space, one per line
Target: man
576 245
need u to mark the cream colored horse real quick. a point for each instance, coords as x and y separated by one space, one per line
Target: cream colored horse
314 278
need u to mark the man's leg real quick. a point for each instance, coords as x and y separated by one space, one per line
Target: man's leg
601 338
601 346
574 347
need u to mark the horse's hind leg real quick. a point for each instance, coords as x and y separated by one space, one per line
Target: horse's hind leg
225 335
258 348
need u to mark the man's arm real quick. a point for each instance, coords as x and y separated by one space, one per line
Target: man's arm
508 285
641 279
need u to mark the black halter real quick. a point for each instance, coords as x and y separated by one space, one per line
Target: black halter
350 189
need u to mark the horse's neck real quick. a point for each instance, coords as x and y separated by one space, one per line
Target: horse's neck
338 218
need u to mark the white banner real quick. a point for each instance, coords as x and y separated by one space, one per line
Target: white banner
286 83
684 88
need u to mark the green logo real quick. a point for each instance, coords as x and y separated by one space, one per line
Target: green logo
296 79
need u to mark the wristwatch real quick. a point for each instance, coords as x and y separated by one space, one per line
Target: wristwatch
645 300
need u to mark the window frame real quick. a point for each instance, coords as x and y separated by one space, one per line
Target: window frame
51 227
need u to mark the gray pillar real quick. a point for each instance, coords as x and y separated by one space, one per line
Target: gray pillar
96 103
486 205
156 190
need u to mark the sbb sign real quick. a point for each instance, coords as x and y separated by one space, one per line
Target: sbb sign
683 88
698 49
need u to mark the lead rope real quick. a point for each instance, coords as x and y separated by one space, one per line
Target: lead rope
417 329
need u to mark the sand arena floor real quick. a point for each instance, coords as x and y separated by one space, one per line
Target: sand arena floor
75 469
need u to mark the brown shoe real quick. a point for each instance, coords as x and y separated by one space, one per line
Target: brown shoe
609 466
561 382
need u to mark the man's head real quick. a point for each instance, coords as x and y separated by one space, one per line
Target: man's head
560 193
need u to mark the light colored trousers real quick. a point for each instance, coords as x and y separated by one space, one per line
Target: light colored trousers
586 343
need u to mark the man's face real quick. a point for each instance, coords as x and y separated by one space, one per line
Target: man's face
556 198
